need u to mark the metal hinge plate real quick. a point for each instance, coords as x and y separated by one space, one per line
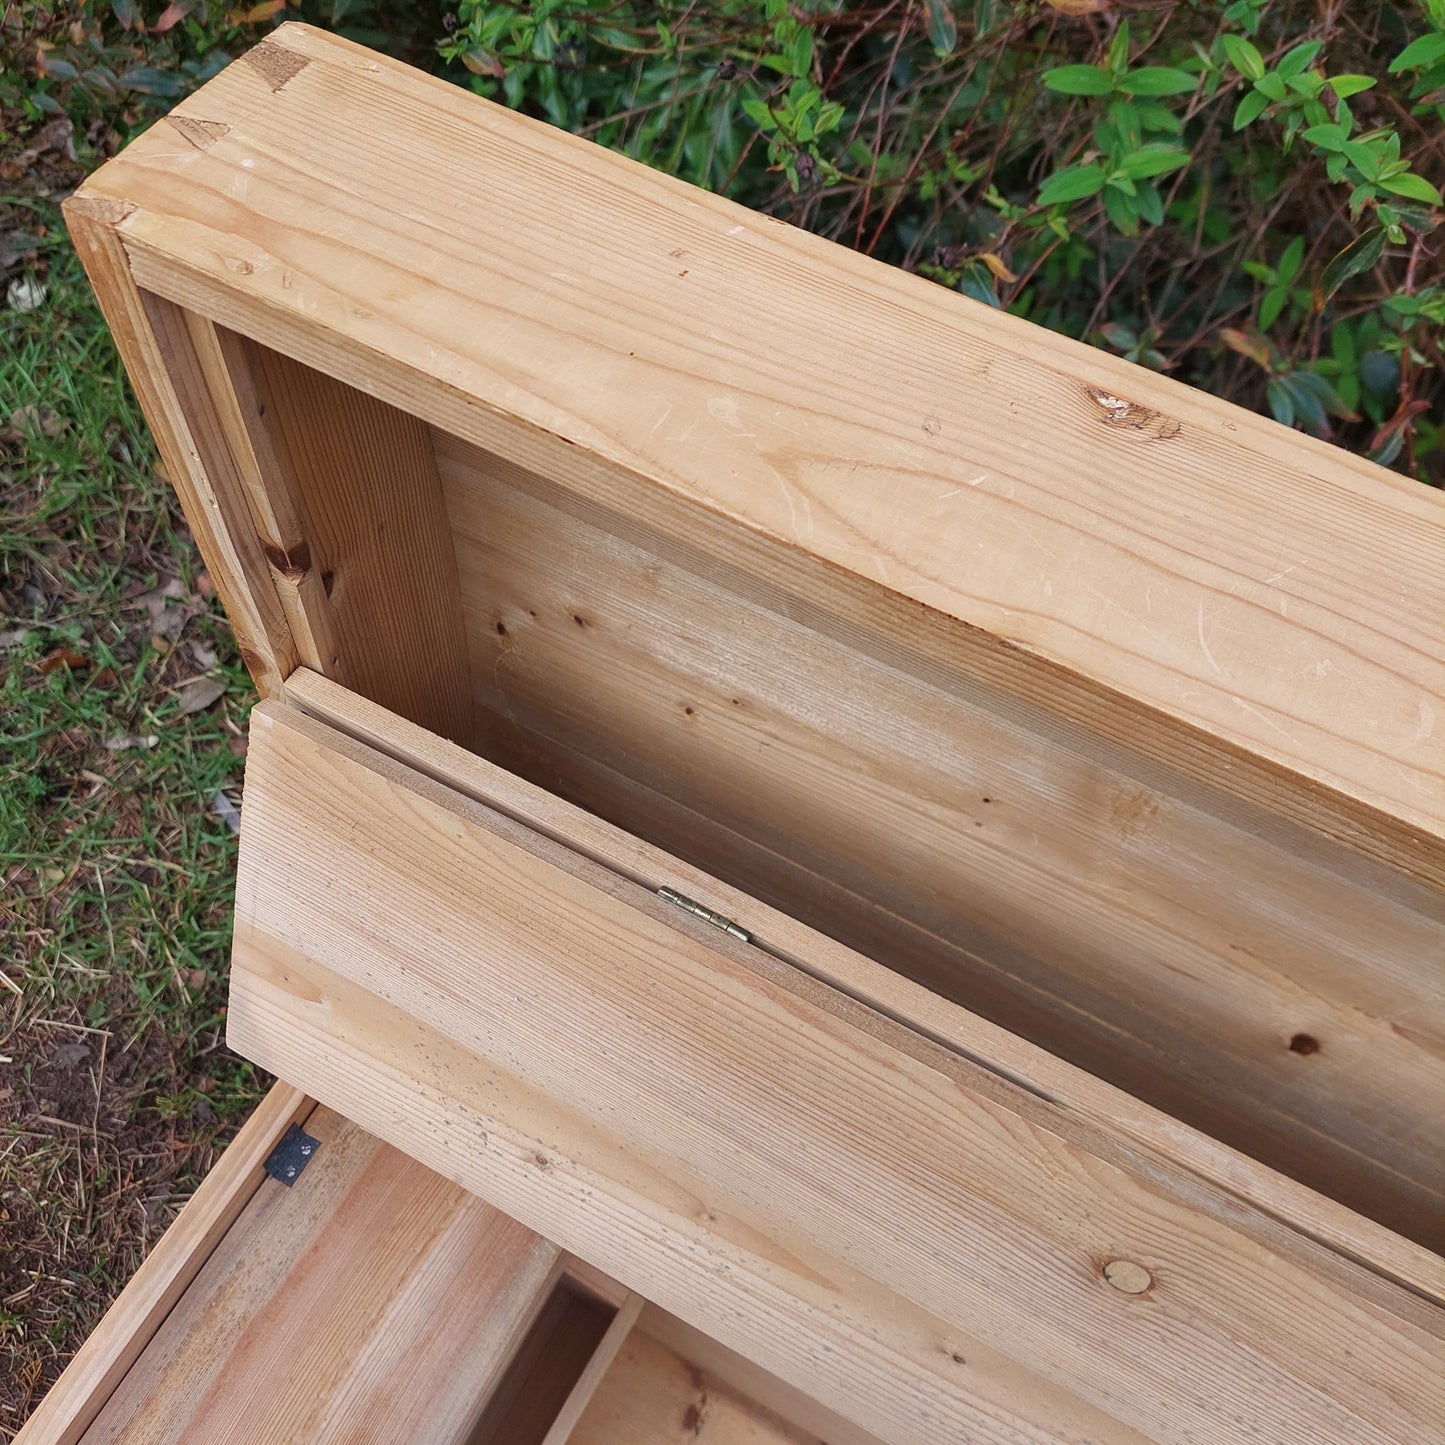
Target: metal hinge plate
708 915
295 1151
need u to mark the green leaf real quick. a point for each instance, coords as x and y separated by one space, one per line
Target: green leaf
1079 80
1273 86
1152 160
1419 53
1415 188
1157 80
1280 402
1348 85
1328 137
757 111
1271 306
1122 211
799 52
1149 205
1294 61
1118 56
1250 109
942 28
1291 261
1072 184
1243 56
1359 255
1154 116
1364 158
150 81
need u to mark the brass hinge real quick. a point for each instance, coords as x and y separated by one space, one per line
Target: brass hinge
708 915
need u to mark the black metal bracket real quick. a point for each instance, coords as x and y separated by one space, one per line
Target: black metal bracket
291 1155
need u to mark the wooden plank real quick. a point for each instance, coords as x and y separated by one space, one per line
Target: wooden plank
1269 987
1418 1269
745 1379
350 510
652 1396
97 1368
544 1372
1173 573
565 1423
889 1227
316 507
157 343
371 1296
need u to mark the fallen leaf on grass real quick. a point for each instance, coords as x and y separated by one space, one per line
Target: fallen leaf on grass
70 1056
131 740
31 421
205 656
26 293
197 694
226 810
14 637
62 657
168 617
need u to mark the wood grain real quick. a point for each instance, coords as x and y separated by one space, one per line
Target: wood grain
1093 906
1219 593
921 1009
545 1370
156 340
889 1227
372 1299
98 1367
349 507
564 1424
652 1396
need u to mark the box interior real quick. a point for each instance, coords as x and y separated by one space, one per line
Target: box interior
1265 984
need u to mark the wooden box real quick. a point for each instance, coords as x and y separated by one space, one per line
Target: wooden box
911 846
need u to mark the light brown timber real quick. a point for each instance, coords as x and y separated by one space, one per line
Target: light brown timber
98 1367
1193 581
847 1204
371 1299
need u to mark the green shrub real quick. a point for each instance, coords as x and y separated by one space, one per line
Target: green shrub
1244 194
1241 194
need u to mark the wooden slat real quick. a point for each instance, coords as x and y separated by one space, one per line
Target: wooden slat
565 1424
893 1229
1173 573
745 1379
548 1365
1095 907
97 1368
349 507
157 343
652 1396
1418 1269
372 1299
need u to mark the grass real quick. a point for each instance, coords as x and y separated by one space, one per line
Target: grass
116 1091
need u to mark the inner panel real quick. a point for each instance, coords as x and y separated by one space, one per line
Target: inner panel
1266 985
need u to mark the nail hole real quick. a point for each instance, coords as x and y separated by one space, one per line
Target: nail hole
1304 1044
501 629
578 618
690 711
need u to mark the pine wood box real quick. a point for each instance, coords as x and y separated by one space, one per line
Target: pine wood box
902 852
